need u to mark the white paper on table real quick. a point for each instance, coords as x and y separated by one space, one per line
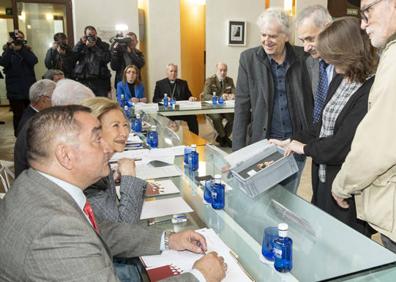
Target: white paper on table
247 152
175 151
146 107
163 207
148 172
189 105
134 139
185 259
134 154
167 187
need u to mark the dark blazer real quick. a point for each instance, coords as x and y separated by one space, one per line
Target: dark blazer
255 92
50 239
20 150
27 115
332 151
182 92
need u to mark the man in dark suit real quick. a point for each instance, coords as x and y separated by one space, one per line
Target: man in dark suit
309 23
40 98
178 89
54 236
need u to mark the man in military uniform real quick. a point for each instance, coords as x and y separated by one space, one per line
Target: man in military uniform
222 85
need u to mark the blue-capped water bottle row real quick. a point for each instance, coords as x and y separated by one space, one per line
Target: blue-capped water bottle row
169 102
191 157
217 99
152 137
214 193
278 247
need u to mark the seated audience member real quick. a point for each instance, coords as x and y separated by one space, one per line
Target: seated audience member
60 96
222 85
329 142
54 74
125 54
177 89
102 194
274 93
60 56
55 236
131 88
40 94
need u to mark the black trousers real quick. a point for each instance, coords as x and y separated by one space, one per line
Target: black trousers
192 122
17 108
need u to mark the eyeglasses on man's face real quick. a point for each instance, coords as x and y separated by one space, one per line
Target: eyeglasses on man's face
364 13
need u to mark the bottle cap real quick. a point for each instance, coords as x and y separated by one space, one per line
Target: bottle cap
283 227
165 95
126 107
153 127
138 115
214 93
193 145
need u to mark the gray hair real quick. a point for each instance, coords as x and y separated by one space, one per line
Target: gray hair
43 87
221 63
69 92
49 125
319 15
171 65
49 74
275 14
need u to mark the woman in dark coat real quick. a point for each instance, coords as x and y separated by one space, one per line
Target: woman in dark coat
344 45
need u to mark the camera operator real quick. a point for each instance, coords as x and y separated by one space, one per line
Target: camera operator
18 61
125 53
60 55
93 55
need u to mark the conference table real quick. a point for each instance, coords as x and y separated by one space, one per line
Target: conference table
324 249
196 108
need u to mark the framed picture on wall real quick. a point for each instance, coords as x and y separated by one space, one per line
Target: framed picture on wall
236 33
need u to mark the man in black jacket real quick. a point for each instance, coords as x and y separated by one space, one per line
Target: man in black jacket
93 55
60 56
18 61
177 89
124 54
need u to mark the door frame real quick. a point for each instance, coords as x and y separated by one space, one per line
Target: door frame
69 14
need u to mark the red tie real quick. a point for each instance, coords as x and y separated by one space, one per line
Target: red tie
89 212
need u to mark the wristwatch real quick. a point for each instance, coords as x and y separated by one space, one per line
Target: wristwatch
166 238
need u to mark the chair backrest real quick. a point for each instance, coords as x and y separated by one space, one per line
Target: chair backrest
6 175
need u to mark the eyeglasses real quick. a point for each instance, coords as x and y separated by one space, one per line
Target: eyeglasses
364 13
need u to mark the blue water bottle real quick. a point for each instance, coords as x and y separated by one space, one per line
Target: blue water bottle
208 192
137 124
214 98
127 112
220 101
218 193
122 101
193 158
187 151
166 100
152 137
173 103
282 249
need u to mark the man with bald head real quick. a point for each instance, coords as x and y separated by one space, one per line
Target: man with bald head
221 85
178 89
54 235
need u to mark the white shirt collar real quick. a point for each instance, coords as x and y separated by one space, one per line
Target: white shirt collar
34 108
75 192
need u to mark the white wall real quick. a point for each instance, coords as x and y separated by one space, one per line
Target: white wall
104 15
218 12
163 39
